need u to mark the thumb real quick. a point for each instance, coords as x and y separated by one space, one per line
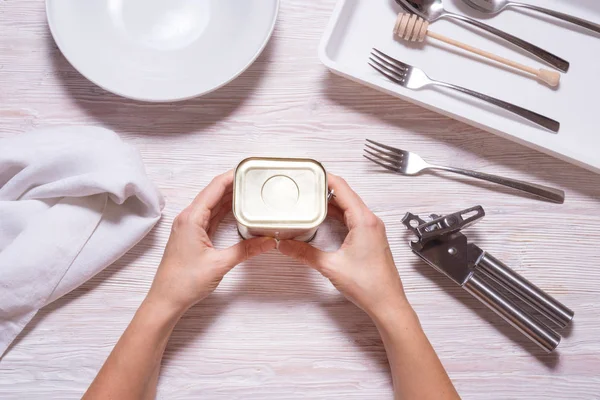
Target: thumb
246 249
304 252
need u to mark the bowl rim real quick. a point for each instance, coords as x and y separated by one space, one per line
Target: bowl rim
169 99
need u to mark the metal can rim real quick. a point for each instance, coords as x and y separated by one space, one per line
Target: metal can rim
275 225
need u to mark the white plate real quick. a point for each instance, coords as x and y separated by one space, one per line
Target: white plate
161 50
359 25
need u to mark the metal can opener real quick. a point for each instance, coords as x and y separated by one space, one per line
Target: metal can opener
443 246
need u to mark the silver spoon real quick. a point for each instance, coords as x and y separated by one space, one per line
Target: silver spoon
432 10
497 6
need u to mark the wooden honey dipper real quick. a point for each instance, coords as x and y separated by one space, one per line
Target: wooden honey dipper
412 28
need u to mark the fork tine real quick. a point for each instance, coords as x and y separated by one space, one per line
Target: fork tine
390 148
391 59
389 66
394 162
400 74
389 154
387 62
381 164
391 76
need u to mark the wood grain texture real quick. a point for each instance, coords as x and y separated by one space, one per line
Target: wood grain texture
275 329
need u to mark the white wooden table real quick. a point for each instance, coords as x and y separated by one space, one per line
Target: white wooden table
275 329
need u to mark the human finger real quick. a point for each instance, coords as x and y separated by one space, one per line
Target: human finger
335 212
344 197
217 218
212 194
304 253
245 250
225 202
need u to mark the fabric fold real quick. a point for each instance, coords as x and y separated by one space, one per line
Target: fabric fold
72 201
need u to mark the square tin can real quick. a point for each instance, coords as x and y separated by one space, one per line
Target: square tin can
283 198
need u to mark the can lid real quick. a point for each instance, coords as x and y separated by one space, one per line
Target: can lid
285 193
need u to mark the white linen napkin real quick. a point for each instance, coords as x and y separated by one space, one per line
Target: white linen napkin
72 201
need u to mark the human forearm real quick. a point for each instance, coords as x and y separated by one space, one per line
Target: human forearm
190 270
363 269
416 369
131 369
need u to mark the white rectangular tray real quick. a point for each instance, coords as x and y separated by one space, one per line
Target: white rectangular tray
359 25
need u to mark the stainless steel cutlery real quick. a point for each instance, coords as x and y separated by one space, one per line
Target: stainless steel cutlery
413 78
407 163
411 27
497 6
433 10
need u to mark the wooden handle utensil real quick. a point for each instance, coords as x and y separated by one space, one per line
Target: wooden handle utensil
412 28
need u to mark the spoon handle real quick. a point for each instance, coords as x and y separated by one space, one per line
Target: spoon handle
565 17
548 57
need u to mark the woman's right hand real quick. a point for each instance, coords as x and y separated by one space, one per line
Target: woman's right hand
363 269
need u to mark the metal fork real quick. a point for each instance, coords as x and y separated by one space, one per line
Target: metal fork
407 163
413 78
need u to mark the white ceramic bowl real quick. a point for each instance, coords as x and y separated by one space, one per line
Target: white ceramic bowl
161 50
